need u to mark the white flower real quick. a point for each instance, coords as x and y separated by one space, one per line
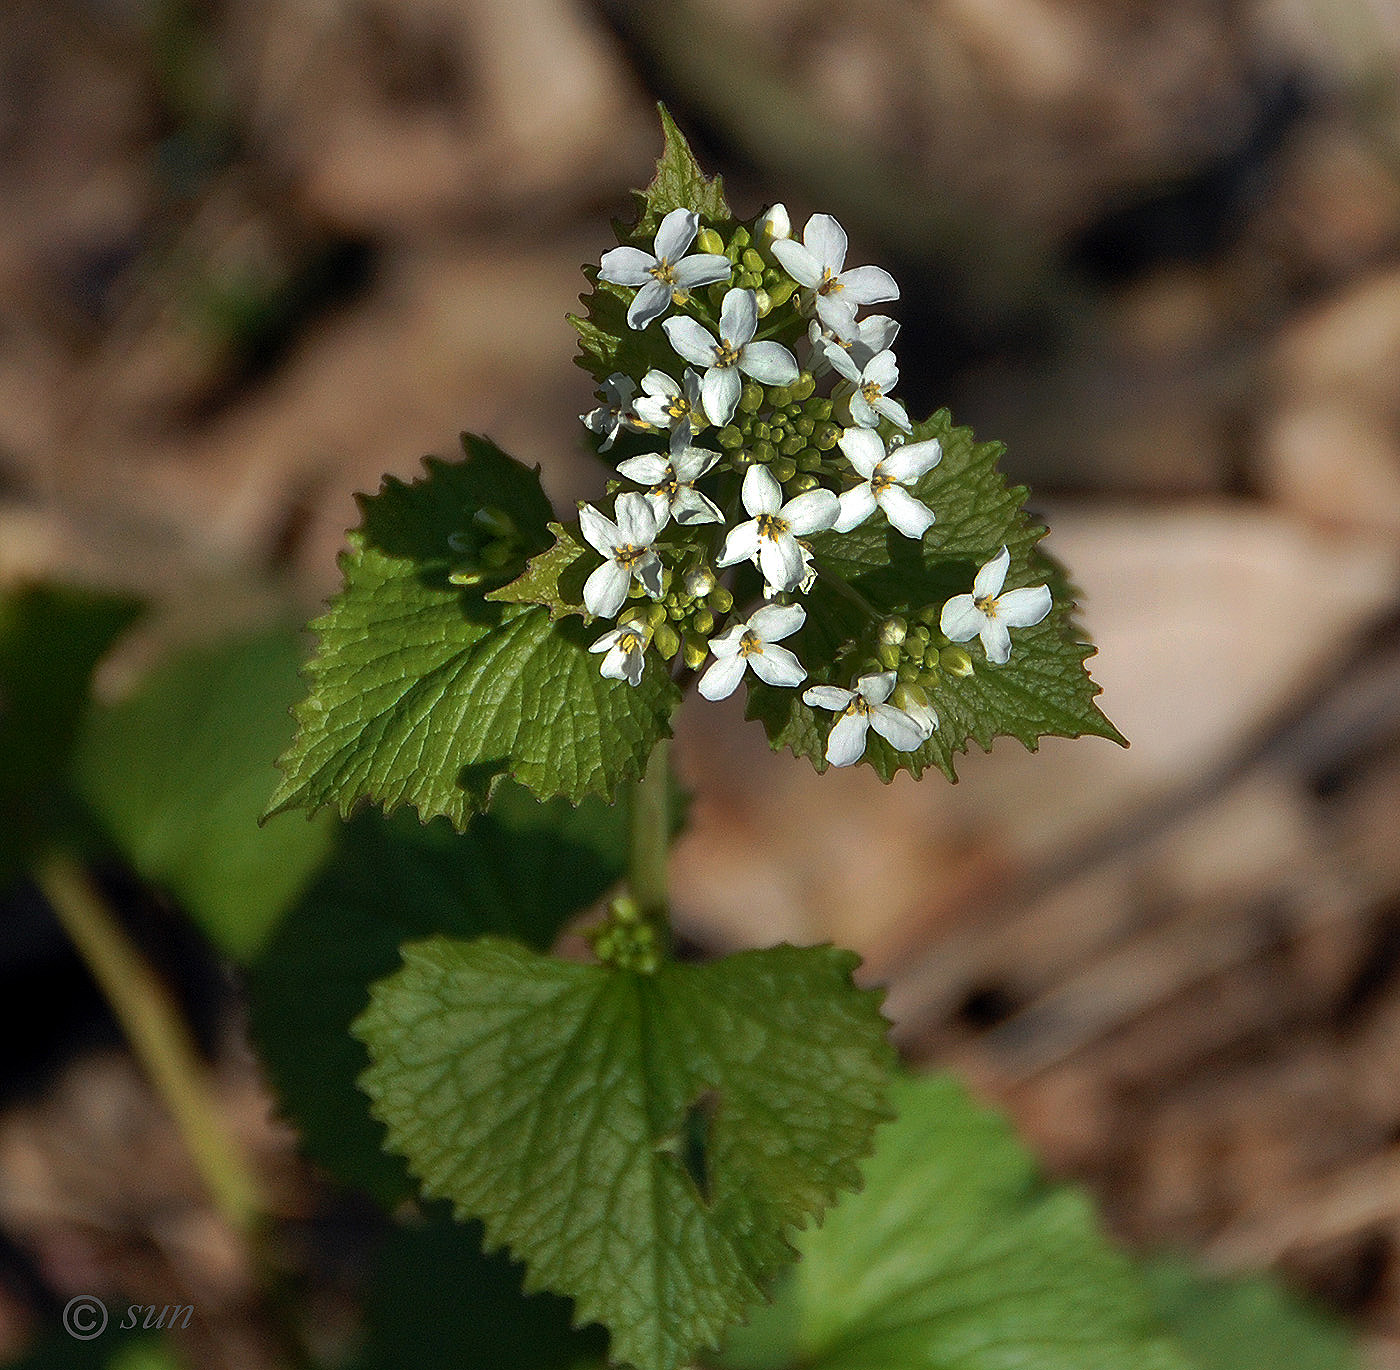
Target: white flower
863 708
615 413
769 538
768 362
673 493
773 223
986 613
885 476
873 383
627 552
669 275
862 341
625 647
816 262
666 402
751 644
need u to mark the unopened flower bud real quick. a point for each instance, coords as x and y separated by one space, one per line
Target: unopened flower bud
764 301
893 630
888 656
752 261
773 223
800 484
699 581
781 293
694 651
956 661
703 622
803 386
667 641
720 600
709 241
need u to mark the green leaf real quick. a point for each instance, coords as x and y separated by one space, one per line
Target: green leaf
424 692
1044 690
554 578
956 1256
50 641
644 1143
437 1302
1245 1324
606 342
178 773
523 869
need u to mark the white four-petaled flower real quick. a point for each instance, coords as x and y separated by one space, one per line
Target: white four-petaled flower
752 645
615 413
667 275
768 362
673 493
625 648
627 552
861 709
884 476
816 263
873 382
769 538
988 614
666 402
869 336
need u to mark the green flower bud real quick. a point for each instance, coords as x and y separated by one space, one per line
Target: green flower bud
699 581
781 293
720 600
799 485
893 630
730 437
707 240
929 615
751 397
778 396
742 459
819 409
764 303
675 612
805 426
792 445
956 661
907 672
782 468
655 614
694 651
764 452
752 261
824 439
749 280
667 641
624 909
919 633
809 459
739 242
703 621
759 429
888 656
803 386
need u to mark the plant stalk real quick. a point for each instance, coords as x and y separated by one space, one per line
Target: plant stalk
158 1035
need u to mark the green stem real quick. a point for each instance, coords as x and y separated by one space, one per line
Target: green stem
158 1036
651 837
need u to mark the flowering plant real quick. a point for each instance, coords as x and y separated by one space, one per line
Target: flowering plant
643 1133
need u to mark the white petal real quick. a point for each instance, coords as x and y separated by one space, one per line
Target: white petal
721 389
648 469
841 361
894 412
723 677
827 697
690 463
690 507
987 583
690 340
961 619
810 512
636 519
857 505
648 304
878 332
838 315
798 262
761 491
875 689
634 666
996 642
777 666
657 382
862 413
774 222
655 410
705 268
738 316
897 728
741 544
647 569
827 240
846 743
626 266
912 460
675 233
883 370
605 591
727 643
912 517
599 531
780 560
1024 608
865 450
868 285
774 622
769 362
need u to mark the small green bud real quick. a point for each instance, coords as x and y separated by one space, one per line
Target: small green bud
809 460
709 241
819 409
919 633
699 581
624 910
667 641
694 651
655 614
764 452
792 445
929 615
799 485
750 280
893 630
730 437
752 261
824 439
764 303
676 612
751 397
888 656
781 293
720 600
783 469
742 459
759 429
703 621
956 661
907 671
803 386
739 241
805 426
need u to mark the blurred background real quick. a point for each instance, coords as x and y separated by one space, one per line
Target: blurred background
254 255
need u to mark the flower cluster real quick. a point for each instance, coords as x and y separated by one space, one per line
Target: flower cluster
766 416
